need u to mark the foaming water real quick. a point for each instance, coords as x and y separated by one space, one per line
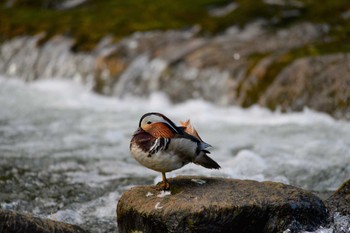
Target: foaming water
65 151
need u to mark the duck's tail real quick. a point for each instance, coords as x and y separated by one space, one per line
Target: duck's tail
204 160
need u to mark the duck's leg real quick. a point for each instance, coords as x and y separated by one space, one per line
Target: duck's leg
165 184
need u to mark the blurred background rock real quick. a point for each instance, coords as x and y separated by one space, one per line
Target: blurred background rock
282 54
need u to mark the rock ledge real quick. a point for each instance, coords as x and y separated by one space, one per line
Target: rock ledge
203 204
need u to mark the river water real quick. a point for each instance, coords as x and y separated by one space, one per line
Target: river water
65 151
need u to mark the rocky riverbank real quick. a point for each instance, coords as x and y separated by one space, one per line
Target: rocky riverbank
281 69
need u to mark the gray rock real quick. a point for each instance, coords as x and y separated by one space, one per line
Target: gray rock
11 222
321 83
202 204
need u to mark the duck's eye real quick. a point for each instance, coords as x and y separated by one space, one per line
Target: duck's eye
149 122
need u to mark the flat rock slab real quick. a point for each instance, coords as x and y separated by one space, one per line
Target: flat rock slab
13 222
203 204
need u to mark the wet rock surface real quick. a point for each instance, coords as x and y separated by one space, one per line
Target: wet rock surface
22 223
202 204
340 200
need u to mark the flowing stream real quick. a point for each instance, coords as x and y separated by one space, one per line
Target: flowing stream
65 151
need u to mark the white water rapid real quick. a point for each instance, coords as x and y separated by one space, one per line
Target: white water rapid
65 151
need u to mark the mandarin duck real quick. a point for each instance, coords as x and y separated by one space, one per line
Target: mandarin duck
160 145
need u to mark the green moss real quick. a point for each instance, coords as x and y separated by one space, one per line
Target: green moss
309 50
254 59
94 19
317 49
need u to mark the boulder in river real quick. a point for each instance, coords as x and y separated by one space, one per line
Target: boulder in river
203 204
11 222
340 200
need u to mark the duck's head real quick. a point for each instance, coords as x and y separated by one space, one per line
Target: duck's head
158 125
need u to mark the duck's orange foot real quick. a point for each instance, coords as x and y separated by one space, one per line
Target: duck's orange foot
164 186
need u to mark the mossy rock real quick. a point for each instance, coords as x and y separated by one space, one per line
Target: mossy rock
202 204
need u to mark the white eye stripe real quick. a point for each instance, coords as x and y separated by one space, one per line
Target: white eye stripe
155 118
